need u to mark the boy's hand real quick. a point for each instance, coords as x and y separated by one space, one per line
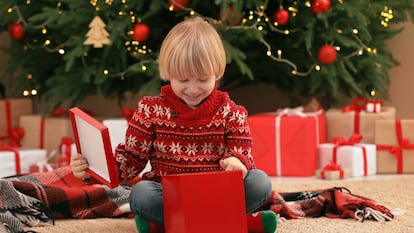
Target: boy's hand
233 164
78 164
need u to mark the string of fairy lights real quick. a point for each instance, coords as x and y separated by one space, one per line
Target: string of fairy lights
256 19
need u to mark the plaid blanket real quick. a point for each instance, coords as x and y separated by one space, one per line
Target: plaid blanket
336 202
40 198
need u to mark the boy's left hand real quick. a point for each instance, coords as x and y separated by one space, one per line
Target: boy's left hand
233 164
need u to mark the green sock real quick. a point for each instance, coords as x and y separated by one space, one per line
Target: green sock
142 224
262 222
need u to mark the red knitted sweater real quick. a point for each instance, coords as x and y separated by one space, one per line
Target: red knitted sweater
178 139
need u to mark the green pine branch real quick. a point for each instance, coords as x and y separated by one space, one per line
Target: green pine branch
54 60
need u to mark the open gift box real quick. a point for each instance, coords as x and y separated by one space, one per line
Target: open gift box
204 202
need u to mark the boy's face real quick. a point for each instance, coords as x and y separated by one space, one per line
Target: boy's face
193 91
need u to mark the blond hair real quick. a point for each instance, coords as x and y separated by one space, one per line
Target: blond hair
192 48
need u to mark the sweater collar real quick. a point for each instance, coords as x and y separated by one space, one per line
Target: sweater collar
206 109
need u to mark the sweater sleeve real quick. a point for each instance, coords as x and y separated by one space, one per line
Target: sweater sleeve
132 155
238 136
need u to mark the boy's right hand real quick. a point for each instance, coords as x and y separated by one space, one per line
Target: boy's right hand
78 164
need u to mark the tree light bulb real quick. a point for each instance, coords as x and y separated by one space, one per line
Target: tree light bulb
106 72
26 93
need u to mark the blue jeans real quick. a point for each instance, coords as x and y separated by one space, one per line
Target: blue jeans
146 196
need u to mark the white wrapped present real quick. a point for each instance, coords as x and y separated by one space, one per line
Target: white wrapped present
360 158
18 160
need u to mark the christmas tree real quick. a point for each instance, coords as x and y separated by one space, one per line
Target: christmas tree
319 48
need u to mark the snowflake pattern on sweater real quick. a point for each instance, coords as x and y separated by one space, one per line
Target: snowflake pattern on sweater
178 139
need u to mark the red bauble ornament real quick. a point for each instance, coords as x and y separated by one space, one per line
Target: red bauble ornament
281 16
141 32
178 4
327 54
230 16
16 31
320 6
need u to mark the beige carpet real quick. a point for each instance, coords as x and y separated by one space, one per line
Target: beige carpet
396 192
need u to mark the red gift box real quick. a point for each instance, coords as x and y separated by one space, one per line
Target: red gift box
204 202
285 143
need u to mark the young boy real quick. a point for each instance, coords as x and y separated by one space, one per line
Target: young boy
190 127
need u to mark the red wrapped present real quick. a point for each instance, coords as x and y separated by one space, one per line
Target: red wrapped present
48 130
67 148
10 111
204 202
285 143
354 119
395 146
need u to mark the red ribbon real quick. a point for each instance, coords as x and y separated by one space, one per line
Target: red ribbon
332 166
358 106
59 111
42 134
403 143
13 134
354 139
4 147
127 113
8 120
